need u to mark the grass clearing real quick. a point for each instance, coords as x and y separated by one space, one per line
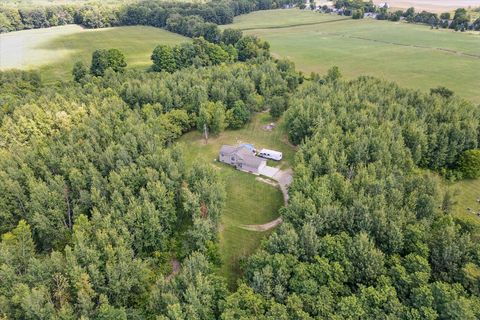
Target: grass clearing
55 50
414 56
136 42
248 201
21 50
466 194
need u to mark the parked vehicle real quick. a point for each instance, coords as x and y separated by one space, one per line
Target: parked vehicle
270 154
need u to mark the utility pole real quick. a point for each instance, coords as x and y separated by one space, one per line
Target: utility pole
205 133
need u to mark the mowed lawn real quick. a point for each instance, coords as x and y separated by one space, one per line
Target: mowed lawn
248 201
55 50
414 56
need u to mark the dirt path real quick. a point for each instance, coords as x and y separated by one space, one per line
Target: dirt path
284 178
262 227
294 25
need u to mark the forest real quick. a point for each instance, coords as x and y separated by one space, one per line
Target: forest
97 201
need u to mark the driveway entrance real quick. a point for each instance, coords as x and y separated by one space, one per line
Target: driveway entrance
268 171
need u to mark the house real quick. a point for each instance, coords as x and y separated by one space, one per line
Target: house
242 157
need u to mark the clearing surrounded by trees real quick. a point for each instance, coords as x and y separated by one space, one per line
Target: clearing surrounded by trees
249 201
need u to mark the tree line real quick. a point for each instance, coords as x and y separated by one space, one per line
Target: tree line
461 20
145 12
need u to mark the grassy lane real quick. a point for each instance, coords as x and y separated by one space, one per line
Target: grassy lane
414 56
248 200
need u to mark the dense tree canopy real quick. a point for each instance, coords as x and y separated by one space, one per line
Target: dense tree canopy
95 202
365 235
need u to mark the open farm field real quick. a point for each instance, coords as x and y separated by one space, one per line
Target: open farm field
55 50
412 55
277 19
432 5
248 201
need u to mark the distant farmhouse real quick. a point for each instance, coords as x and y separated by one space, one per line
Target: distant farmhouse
384 5
243 158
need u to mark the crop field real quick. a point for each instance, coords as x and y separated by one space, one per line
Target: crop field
414 56
431 5
248 201
55 50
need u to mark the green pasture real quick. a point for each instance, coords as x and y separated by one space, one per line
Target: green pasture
55 50
281 19
136 42
248 201
414 56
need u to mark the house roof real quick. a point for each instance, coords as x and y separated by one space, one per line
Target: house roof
228 149
244 153
249 158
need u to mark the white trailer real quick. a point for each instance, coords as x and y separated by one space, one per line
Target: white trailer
270 154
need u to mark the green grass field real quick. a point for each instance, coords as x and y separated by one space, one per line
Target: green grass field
136 42
412 55
281 19
466 194
55 50
248 201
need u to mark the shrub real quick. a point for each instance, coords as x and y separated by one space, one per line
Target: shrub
469 163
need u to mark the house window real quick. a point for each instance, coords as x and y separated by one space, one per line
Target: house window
222 154
233 158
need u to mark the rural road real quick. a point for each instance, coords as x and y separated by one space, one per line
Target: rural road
284 178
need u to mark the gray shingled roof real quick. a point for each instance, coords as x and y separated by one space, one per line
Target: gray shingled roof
249 158
228 149
244 153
